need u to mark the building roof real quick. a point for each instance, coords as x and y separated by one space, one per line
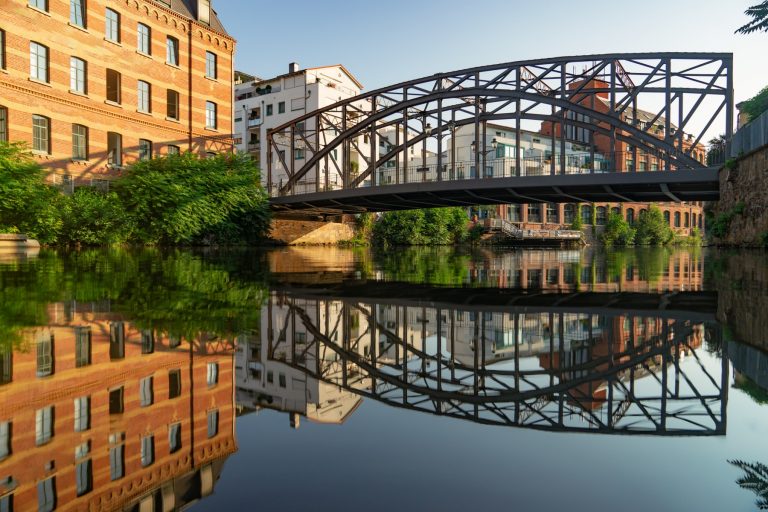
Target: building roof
301 71
188 9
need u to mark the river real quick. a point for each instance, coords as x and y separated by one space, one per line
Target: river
355 379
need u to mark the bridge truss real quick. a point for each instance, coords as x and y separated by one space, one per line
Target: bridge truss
620 107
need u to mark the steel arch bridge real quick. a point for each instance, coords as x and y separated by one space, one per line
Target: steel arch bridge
396 147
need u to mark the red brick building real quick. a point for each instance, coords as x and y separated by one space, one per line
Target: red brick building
92 85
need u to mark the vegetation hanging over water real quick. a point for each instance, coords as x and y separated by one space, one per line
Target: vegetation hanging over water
436 226
173 200
650 229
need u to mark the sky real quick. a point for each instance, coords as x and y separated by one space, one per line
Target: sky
385 42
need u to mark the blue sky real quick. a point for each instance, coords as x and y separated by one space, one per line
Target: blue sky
385 42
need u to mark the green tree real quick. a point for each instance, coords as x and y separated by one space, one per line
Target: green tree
652 229
618 231
432 226
759 15
27 204
755 479
756 105
91 217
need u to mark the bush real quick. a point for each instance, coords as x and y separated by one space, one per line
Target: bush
618 231
577 224
436 226
756 105
721 224
184 199
91 217
652 229
27 204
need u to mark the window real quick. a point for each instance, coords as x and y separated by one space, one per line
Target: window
667 219
602 215
84 477
82 413
270 377
114 149
586 214
281 107
77 12
145 153
687 222
6 365
569 213
117 462
144 39
45 361
213 423
172 51
174 437
116 340
147 341
534 213
147 450
210 114
210 65
173 105
112 26
553 213
5 439
631 216
146 392
113 86
77 75
116 401
677 219
269 110
41 141
281 380
43 425
298 154
39 4
174 383
3 124
80 146
144 97
2 49
38 62
213 374
46 495
174 150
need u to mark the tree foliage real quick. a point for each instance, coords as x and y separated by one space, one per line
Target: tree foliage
618 231
756 105
652 229
437 226
91 217
759 22
755 479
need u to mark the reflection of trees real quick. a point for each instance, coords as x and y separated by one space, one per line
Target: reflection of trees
180 293
755 479
440 265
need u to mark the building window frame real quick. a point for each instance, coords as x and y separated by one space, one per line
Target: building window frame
213 423
41 134
212 374
114 149
46 495
83 477
44 425
78 75
147 391
3 124
78 13
6 435
40 5
39 62
173 104
211 65
82 405
2 49
211 115
80 145
172 51
114 86
112 25
145 153
147 450
174 437
144 39
144 97
83 337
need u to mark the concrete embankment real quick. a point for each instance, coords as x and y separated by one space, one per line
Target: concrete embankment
12 246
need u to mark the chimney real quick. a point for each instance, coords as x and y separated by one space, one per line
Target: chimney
204 11
293 67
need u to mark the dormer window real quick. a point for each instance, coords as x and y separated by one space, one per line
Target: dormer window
204 11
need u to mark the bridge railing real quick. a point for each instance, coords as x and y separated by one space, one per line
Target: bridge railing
751 136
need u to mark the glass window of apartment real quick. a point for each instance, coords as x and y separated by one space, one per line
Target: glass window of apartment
116 340
173 150
84 477
210 115
39 4
553 213
281 380
144 39
46 495
586 214
569 213
172 51
43 425
79 142
269 110
112 26
38 62
213 423
45 360
147 450
6 365
113 86
213 374
281 107
77 12
298 154
5 439
2 49
117 462
3 124
534 213
114 149
211 60
173 105
41 141
667 218
602 215
630 216
174 383
146 392
677 219
145 151
174 437
82 413
144 96
147 341
116 401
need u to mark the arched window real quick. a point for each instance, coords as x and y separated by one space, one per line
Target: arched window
693 220
687 219
631 216
677 219
602 215
534 213
569 213
553 213
586 214
667 218
616 210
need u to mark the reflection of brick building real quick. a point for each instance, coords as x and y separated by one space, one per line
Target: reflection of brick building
95 414
93 85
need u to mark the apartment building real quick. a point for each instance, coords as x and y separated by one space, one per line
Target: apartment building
99 414
93 85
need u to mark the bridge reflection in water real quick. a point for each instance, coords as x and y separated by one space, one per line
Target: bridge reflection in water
618 363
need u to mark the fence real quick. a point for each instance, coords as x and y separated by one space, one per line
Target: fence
751 137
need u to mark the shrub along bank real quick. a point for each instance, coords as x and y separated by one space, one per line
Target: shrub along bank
435 226
650 229
173 200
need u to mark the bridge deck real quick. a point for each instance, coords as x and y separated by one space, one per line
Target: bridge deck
662 186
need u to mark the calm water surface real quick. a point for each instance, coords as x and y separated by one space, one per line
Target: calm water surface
331 379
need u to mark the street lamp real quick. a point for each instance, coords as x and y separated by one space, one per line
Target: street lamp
494 145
